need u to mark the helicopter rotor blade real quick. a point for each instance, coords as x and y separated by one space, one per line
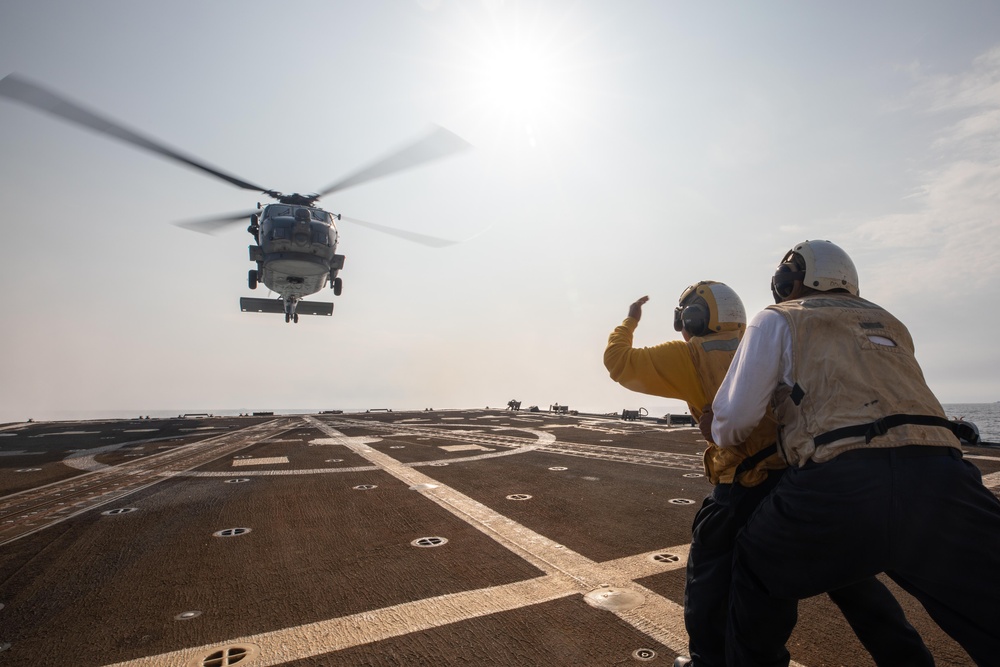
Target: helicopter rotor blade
215 224
437 144
422 239
31 94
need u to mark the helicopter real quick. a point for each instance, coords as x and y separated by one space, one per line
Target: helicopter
295 241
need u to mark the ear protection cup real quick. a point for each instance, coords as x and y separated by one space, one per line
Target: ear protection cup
709 307
695 319
783 281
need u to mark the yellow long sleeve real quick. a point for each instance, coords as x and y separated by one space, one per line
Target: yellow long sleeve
665 370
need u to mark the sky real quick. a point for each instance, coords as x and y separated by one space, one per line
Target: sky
620 149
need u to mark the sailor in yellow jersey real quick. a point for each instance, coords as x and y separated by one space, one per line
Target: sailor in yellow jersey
711 319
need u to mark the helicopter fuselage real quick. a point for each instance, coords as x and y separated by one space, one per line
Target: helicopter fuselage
296 251
296 244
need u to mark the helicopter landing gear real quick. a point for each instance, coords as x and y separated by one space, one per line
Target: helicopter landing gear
338 286
290 314
252 279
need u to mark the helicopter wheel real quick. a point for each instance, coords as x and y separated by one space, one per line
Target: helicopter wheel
252 279
287 318
295 318
338 286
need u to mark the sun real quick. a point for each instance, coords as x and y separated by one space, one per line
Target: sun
520 81
524 75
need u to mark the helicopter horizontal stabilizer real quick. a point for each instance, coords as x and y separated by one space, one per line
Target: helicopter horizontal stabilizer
314 308
250 305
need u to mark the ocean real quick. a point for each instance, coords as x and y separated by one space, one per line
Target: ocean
984 415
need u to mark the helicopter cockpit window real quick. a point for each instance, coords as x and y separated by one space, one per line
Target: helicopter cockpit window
321 234
274 211
322 216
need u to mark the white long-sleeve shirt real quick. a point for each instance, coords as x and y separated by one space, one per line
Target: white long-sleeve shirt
762 361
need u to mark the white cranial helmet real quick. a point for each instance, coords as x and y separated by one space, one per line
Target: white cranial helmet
820 265
709 307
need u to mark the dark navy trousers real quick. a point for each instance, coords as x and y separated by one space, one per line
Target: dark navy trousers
920 514
870 609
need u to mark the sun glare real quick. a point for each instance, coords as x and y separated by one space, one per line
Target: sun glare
523 75
520 82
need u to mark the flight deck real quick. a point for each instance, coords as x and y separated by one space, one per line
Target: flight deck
449 537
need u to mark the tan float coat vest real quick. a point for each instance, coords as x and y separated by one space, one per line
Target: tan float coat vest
711 356
842 378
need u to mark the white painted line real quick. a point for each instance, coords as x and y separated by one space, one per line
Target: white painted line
346 441
262 461
543 439
212 447
567 573
981 458
305 641
275 473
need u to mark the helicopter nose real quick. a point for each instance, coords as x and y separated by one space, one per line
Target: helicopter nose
300 235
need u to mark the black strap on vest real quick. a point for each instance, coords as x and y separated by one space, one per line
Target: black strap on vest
882 426
750 462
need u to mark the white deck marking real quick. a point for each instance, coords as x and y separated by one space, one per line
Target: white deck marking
336 634
543 439
304 641
47 505
83 459
981 458
464 448
566 573
360 440
276 473
262 461
992 481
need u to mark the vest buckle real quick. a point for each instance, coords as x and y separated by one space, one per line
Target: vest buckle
875 429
